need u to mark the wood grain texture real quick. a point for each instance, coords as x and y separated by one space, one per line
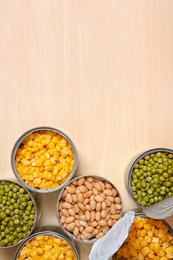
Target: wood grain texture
101 71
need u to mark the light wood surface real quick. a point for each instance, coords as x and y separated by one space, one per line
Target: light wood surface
101 71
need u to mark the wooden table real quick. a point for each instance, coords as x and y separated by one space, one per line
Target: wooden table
101 71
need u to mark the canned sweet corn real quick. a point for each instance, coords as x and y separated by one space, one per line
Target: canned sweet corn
147 239
45 245
44 159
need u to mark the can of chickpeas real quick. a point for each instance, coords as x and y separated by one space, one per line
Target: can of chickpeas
135 236
88 207
49 242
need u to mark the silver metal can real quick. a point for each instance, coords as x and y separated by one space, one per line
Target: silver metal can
149 180
20 213
44 151
146 238
52 232
87 207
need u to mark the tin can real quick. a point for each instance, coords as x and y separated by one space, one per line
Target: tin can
149 181
87 207
147 242
20 213
55 234
135 236
40 151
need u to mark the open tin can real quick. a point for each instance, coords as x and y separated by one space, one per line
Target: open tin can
44 159
48 242
87 207
149 180
107 247
20 213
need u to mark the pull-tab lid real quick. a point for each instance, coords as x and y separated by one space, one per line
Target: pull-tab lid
108 245
160 210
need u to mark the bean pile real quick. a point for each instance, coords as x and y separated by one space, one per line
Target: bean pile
17 213
46 247
44 159
152 178
148 239
89 207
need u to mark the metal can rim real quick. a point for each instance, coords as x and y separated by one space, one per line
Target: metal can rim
18 143
91 241
134 161
49 233
36 217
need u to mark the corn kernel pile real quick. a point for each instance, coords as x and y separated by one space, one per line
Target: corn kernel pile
46 247
44 159
147 239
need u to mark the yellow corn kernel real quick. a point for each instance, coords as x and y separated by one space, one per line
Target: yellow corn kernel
40 251
145 250
39 163
33 252
151 255
161 233
143 232
19 169
161 252
47 162
147 239
137 245
169 250
147 226
37 182
28 155
140 257
49 168
143 243
139 224
40 146
163 258
40 169
51 145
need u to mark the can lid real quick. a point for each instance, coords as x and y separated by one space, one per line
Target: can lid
160 210
108 245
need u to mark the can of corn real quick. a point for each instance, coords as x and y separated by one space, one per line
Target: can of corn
44 159
135 236
147 239
48 242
